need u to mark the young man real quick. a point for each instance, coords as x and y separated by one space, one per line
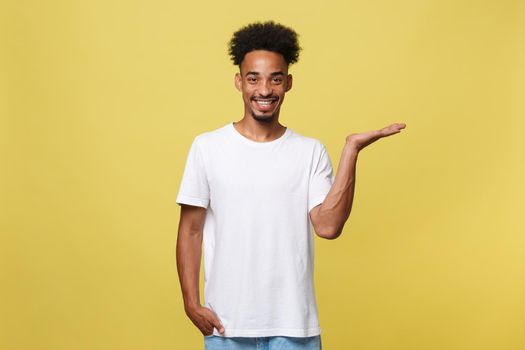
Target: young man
250 192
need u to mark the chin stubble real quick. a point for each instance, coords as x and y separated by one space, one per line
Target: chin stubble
264 119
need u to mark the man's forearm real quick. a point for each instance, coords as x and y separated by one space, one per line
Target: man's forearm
335 209
189 250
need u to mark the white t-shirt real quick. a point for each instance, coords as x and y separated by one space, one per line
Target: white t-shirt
258 241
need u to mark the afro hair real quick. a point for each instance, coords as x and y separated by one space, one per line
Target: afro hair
268 36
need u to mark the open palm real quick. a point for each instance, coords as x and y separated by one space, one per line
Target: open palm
361 140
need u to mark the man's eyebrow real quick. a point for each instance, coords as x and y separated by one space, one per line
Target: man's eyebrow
272 74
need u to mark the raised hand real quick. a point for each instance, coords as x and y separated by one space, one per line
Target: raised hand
361 140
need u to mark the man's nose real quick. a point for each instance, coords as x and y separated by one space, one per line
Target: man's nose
265 89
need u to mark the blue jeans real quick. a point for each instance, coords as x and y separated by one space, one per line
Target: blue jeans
214 342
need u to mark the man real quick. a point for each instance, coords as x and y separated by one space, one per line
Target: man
251 192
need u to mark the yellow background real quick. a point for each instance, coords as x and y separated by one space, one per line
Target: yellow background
100 101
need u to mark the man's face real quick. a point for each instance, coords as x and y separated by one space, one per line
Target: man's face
263 81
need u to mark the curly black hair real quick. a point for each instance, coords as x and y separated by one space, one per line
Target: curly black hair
267 35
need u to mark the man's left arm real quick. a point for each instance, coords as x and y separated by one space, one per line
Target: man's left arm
329 217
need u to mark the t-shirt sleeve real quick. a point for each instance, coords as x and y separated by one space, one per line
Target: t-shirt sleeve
194 187
321 178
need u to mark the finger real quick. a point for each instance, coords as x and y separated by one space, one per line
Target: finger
396 127
217 324
208 328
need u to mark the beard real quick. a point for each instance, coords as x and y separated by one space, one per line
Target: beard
263 118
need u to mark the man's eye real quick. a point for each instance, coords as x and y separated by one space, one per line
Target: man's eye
252 79
277 80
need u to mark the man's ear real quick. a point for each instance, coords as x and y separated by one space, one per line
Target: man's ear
238 81
289 81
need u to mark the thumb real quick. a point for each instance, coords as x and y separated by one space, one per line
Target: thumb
217 324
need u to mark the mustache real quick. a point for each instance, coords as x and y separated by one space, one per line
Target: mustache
265 98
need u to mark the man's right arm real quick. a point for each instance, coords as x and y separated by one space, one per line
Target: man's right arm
189 243
189 250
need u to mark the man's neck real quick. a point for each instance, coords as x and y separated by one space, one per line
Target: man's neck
259 131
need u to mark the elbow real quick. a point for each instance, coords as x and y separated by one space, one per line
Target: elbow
328 227
333 236
330 233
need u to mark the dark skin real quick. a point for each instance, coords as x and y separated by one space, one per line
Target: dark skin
263 76
263 80
189 250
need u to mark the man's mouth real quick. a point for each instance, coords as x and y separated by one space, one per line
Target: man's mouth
264 104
